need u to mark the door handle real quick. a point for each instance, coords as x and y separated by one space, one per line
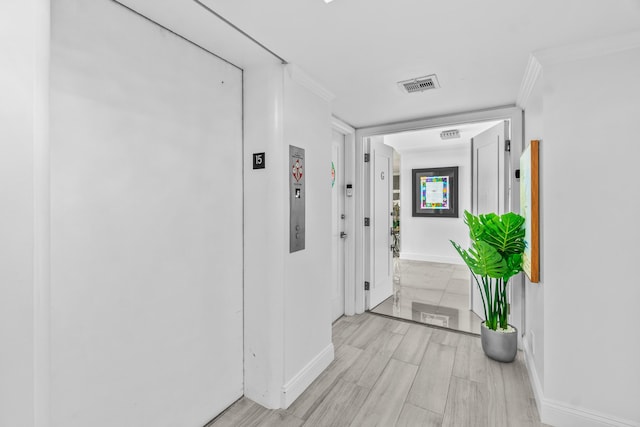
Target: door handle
343 235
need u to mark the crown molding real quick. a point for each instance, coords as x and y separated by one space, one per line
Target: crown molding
342 126
589 49
531 75
572 52
303 79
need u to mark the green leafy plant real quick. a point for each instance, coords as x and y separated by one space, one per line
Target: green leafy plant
495 255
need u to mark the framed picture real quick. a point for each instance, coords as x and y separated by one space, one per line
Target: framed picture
529 210
435 192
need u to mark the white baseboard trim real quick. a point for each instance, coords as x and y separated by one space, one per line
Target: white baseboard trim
560 414
431 258
533 374
303 379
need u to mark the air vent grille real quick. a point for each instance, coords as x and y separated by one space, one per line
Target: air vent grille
419 84
450 134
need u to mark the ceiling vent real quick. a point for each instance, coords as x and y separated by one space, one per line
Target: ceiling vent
419 84
450 134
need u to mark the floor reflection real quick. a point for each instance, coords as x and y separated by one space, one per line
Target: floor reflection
431 293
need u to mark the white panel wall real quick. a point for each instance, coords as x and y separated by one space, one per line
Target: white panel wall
534 292
265 219
308 272
146 190
583 313
590 182
424 238
287 296
21 40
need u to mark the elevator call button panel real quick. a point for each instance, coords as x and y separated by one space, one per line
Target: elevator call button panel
296 199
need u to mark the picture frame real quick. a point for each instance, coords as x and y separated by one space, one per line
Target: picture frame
435 192
529 209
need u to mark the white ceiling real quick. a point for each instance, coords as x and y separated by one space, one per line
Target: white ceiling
429 139
405 143
359 49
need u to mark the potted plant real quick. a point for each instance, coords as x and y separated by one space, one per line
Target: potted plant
495 255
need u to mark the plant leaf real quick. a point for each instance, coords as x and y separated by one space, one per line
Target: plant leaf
476 229
505 232
464 255
514 266
483 259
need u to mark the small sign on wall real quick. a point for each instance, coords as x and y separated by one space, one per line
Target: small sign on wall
258 161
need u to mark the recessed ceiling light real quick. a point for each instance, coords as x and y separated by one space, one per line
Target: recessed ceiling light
328 1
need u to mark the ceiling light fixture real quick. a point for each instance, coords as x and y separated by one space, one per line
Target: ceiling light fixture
328 1
450 134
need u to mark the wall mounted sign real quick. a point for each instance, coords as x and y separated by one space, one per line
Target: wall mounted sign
297 222
435 192
333 174
258 161
529 187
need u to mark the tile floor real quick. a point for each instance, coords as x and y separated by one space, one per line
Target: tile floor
393 373
432 293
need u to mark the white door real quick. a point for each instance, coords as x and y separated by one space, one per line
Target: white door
489 195
338 231
382 283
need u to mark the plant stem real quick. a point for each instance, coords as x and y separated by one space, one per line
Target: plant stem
484 304
504 320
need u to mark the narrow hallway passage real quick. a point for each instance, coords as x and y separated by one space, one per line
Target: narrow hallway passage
432 293
389 372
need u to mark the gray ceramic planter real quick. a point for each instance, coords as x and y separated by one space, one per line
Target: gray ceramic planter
500 346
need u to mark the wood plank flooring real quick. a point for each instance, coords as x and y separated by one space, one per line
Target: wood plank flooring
389 372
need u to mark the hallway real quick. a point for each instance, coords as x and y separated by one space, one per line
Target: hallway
432 293
393 373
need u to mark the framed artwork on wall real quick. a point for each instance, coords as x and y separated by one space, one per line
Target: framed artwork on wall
435 192
529 187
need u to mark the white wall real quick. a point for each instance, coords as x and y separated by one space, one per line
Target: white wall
146 195
534 292
590 234
287 298
584 312
308 272
21 44
424 238
265 218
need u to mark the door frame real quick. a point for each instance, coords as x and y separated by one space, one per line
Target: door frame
364 270
349 133
371 239
503 194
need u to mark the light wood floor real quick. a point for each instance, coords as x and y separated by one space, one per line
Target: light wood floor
392 373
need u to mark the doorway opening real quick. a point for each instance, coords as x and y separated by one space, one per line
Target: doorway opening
343 224
426 281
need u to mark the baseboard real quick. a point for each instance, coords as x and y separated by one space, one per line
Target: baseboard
560 414
431 258
303 379
533 375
